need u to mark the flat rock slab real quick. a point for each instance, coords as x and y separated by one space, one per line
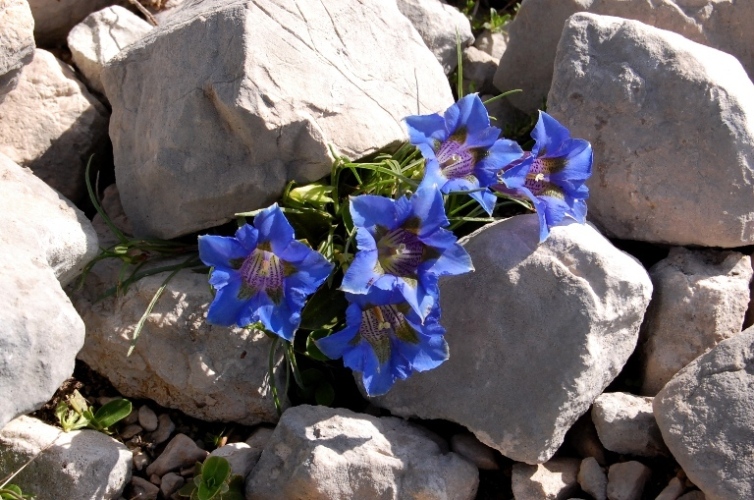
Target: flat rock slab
706 418
216 110
82 465
535 335
319 453
672 126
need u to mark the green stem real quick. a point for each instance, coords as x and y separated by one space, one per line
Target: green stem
271 375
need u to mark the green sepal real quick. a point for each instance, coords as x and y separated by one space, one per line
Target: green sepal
323 309
312 350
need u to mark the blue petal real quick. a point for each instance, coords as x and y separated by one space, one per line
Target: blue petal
578 211
336 345
285 317
274 228
486 199
226 309
220 250
501 154
427 204
433 176
377 379
515 176
469 112
482 139
220 277
426 129
361 274
429 353
453 259
369 210
461 184
310 273
549 136
248 237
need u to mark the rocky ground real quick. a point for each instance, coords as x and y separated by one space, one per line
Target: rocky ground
613 361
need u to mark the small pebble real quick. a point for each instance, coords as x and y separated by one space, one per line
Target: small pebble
474 451
693 495
142 489
147 418
592 478
132 418
140 460
240 456
626 480
171 482
155 479
165 429
130 431
180 452
672 491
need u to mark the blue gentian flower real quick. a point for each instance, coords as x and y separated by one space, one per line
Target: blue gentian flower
552 176
386 340
403 247
262 274
462 151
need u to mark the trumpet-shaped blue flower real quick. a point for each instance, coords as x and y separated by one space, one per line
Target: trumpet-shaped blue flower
552 176
462 151
386 340
262 274
403 247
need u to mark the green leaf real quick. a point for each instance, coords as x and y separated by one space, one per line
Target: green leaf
312 350
112 412
215 472
315 194
324 394
323 309
236 489
187 489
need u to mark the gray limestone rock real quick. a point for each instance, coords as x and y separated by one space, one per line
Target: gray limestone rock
180 452
626 480
100 37
180 361
53 19
217 109
553 480
592 479
626 424
81 465
544 328
437 23
535 31
45 241
623 85
51 124
16 42
325 454
700 298
706 420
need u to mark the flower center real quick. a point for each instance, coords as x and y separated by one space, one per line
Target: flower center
262 271
456 161
400 253
538 178
381 323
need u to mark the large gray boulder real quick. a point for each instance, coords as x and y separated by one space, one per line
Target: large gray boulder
535 335
100 37
16 42
45 241
319 453
51 124
705 415
663 168
440 26
700 298
536 29
214 111
85 464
